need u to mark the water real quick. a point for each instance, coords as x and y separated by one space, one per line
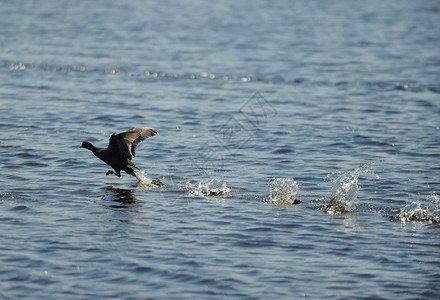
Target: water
253 101
418 212
283 191
345 190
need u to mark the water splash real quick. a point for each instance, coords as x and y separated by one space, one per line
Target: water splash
145 182
417 212
345 189
212 188
283 191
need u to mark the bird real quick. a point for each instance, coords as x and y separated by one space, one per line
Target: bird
121 149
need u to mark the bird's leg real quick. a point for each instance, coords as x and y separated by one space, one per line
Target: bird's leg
131 167
111 172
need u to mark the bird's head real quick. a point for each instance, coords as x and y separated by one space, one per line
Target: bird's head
87 145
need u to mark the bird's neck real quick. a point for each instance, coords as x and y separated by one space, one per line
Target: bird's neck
90 146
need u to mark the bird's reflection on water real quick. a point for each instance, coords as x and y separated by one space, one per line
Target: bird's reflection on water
123 199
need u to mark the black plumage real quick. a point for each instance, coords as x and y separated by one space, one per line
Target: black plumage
121 149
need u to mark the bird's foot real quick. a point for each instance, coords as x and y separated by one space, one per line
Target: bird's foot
157 182
111 172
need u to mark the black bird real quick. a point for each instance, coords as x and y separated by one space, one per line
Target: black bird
121 149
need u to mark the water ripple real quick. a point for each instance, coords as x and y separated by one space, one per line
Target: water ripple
411 86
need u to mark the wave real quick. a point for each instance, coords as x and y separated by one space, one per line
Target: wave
388 85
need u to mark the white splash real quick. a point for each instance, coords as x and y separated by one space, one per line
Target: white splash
212 188
418 212
283 191
145 182
345 190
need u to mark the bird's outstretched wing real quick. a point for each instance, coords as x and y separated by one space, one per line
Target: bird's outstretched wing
127 141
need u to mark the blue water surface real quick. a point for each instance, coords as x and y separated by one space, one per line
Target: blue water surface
339 99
